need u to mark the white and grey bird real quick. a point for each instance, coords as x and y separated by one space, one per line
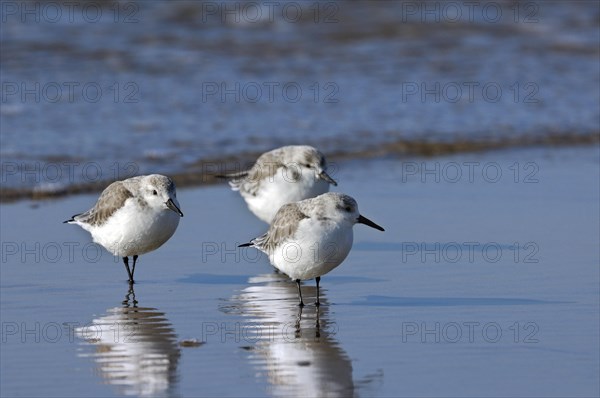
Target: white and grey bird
283 175
309 238
133 217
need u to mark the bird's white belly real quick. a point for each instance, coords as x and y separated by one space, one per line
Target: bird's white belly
281 190
129 233
312 253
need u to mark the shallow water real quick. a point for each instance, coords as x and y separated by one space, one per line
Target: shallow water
158 86
411 312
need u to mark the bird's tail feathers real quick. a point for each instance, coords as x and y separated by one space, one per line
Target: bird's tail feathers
235 179
233 176
71 220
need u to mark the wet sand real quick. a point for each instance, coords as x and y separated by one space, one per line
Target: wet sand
207 171
482 286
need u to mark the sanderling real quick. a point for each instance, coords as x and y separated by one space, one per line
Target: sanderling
309 238
133 217
283 175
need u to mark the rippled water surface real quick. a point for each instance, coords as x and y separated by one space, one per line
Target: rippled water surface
159 86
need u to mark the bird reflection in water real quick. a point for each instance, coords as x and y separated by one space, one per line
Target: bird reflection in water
135 349
294 348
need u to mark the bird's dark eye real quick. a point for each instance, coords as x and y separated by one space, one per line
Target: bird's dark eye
348 209
154 192
307 165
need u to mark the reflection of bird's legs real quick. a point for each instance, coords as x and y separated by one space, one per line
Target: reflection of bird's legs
318 324
126 262
134 301
301 304
130 296
318 279
298 320
133 270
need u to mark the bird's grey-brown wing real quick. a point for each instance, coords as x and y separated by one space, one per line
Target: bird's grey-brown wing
283 226
111 200
266 167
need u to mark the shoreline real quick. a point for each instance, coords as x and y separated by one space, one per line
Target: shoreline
199 176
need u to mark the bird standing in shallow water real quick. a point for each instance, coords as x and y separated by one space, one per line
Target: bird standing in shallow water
133 217
307 239
283 175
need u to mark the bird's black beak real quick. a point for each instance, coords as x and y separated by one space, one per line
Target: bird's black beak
324 176
366 221
171 205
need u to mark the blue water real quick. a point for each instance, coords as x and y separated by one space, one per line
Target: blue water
158 86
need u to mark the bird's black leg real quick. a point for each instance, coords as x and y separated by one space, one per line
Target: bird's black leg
318 279
133 270
126 262
301 304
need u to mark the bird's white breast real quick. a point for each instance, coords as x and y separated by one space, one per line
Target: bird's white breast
281 188
135 230
316 248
